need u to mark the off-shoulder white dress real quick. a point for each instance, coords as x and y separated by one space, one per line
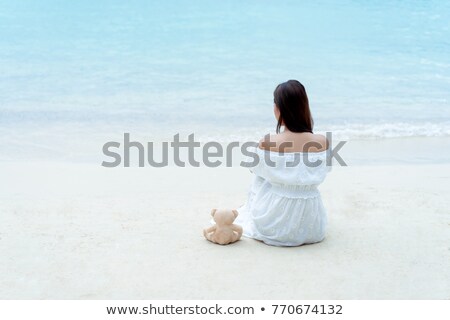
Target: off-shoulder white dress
284 207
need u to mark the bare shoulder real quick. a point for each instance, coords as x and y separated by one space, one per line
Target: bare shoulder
270 142
317 143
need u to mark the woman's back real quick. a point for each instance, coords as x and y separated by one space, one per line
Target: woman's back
284 207
288 141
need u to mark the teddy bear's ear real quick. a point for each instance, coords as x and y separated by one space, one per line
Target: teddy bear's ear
235 213
213 211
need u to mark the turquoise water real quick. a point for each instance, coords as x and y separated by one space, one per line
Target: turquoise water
82 71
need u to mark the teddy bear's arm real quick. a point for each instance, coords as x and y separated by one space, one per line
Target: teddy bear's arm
209 230
208 233
237 228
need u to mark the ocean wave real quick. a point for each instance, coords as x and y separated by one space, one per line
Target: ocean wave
390 130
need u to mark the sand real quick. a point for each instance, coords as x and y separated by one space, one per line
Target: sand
73 231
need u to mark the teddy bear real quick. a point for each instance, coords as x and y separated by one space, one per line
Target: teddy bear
224 231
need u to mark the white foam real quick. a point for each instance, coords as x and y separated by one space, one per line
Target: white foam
389 130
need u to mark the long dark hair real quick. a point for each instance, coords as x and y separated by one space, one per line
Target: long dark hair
292 102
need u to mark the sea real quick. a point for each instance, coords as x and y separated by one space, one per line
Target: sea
77 74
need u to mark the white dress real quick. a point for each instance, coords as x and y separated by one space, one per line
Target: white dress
284 207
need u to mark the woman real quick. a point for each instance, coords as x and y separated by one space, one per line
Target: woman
284 207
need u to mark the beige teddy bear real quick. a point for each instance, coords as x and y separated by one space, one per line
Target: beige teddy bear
224 231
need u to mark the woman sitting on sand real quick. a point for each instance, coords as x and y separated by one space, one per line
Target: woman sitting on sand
284 207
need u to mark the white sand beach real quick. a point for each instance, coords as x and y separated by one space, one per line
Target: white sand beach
86 232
